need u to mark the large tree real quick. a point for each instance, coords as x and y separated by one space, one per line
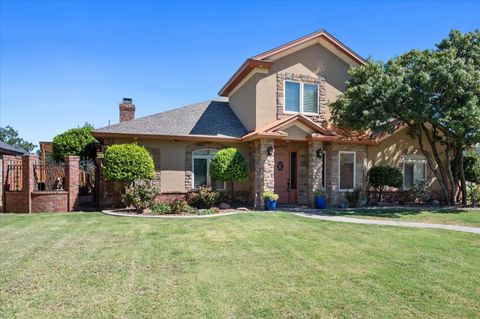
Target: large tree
435 93
76 141
10 136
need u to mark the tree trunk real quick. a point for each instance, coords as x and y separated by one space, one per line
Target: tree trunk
380 190
463 180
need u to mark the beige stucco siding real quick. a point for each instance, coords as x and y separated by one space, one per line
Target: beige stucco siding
260 90
392 150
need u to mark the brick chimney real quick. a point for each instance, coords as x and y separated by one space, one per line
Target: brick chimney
127 110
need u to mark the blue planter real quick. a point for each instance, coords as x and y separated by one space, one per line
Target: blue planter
320 202
270 204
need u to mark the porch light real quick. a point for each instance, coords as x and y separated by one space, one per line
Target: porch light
319 153
270 151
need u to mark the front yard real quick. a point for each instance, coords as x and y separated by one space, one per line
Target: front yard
87 265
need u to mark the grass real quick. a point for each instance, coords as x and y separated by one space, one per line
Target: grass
462 217
252 265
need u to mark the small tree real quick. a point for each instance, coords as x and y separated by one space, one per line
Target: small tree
128 163
471 162
76 141
229 165
380 177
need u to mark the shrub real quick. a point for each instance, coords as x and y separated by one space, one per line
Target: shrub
76 141
420 191
203 197
473 194
160 208
178 206
229 165
270 195
472 167
140 195
321 193
355 197
128 162
380 177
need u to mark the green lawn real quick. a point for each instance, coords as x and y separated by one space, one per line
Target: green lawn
463 217
253 265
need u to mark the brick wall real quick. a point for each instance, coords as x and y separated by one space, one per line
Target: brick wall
53 201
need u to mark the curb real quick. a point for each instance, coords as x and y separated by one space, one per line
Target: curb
112 213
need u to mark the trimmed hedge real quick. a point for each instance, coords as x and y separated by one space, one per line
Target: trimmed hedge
128 163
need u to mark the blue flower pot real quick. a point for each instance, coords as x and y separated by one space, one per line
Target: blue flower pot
320 202
270 204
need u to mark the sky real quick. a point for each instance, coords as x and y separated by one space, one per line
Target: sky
64 63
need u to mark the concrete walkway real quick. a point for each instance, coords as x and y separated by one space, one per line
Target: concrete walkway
465 229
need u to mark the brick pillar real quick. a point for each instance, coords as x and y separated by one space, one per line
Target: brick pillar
262 177
315 172
28 180
72 181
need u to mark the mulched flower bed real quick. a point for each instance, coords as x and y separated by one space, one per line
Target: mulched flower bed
201 212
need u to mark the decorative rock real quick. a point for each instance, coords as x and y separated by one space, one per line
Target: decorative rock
224 206
243 209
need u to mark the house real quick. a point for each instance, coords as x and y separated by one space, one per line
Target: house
8 149
274 109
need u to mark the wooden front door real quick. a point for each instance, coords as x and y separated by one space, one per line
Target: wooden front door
286 176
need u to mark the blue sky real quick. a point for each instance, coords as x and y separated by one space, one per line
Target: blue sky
63 63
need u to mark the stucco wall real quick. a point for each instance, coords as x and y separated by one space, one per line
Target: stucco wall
314 60
392 150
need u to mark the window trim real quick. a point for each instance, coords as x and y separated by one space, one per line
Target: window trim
300 106
354 170
324 169
414 161
208 157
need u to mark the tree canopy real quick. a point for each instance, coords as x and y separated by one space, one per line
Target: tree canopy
435 93
10 136
76 141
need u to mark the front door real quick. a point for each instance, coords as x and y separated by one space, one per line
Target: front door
286 176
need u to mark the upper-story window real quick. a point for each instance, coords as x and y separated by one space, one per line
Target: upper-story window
301 97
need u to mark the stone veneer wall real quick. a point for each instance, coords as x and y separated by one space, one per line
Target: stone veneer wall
337 197
261 170
281 77
315 170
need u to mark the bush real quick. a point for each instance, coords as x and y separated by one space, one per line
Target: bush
140 195
160 208
128 162
77 141
420 191
355 197
473 194
472 167
178 206
229 165
203 197
380 177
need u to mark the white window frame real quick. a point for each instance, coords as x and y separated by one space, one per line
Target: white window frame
354 170
300 106
414 161
208 157
324 169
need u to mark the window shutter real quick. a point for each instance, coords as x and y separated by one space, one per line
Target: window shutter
310 98
292 97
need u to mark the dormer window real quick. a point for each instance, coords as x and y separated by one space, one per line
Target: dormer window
301 97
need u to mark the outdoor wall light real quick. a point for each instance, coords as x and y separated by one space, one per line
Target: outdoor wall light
270 151
319 153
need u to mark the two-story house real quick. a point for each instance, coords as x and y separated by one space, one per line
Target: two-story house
274 109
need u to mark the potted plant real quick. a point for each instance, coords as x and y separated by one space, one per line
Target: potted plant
270 200
320 199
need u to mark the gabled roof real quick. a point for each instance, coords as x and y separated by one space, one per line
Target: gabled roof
9 149
209 120
264 60
331 133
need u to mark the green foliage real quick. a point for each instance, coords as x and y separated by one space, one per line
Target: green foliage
203 197
380 177
160 208
179 206
270 195
356 197
10 136
420 191
321 193
229 165
474 194
128 162
76 141
471 165
140 195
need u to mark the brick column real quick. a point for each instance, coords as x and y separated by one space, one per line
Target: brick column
28 180
72 181
315 170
